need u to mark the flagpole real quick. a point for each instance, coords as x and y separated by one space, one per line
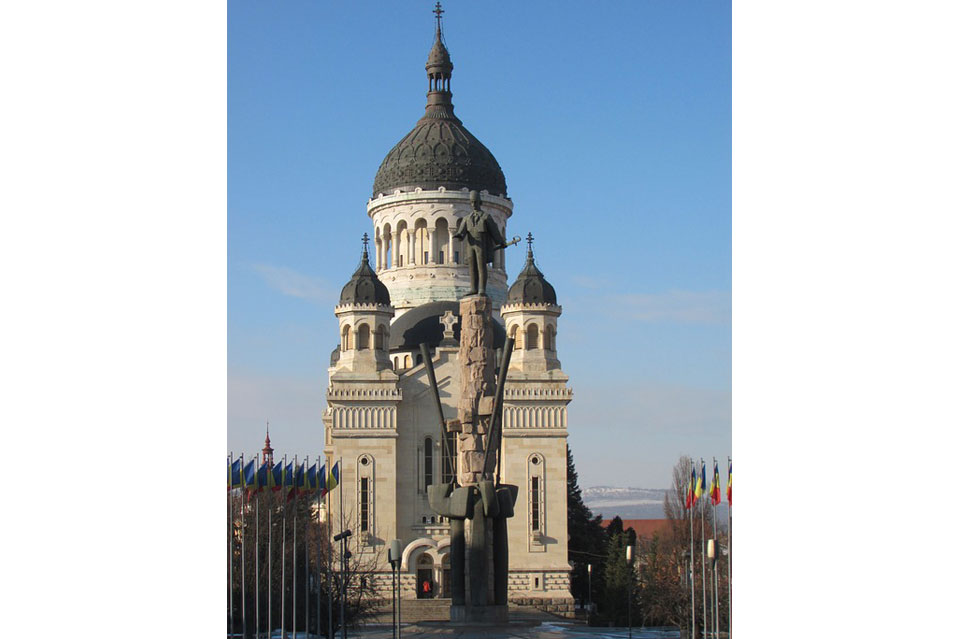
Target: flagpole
283 567
716 554
703 552
329 503
729 551
256 494
693 588
230 539
306 560
343 558
243 555
270 563
293 556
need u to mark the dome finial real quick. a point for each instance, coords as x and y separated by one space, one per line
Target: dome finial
439 67
365 240
438 11
529 246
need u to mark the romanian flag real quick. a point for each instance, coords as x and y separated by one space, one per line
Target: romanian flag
234 474
311 480
691 493
322 481
701 481
332 480
263 477
284 476
299 486
249 475
730 482
715 485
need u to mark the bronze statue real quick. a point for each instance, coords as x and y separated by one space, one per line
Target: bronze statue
481 239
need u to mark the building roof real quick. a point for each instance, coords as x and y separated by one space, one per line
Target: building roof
531 287
439 151
364 286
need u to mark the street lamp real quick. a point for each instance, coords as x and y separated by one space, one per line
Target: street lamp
344 555
394 555
589 590
630 591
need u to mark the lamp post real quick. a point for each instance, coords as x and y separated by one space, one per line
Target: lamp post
394 556
589 590
630 591
344 555
688 564
711 555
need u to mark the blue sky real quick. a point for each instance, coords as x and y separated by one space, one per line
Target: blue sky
612 124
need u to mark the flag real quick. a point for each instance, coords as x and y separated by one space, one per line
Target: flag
730 482
691 495
715 485
698 491
275 478
262 477
234 474
288 479
298 479
311 480
322 481
332 480
249 475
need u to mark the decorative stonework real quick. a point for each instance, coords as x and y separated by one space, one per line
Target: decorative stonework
477 382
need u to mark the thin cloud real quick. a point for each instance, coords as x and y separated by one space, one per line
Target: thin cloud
295 284
687 307
587 281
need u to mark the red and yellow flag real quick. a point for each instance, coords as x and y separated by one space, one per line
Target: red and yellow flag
715 485
730 482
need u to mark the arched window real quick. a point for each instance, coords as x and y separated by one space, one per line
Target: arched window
387 245
533 337
421 243
365 493
381 338
427 462
535 496
442 241
513 336
345 341
549 338
363 337
406 361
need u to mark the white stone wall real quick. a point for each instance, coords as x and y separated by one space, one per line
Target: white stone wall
409 225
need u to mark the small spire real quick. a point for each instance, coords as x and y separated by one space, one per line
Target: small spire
365 240
267 450
530 246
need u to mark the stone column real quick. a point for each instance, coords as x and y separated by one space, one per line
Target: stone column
477 384
395 250
432 242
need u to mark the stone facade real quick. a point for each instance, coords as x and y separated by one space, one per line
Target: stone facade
381 419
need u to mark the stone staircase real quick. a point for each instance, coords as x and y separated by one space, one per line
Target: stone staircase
415 610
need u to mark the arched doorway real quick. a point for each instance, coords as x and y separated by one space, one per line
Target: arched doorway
426 588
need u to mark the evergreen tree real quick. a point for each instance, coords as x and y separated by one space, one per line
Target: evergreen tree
620 580
587 540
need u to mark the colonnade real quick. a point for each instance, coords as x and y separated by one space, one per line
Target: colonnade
423 245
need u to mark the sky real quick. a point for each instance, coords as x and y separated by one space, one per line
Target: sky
612 124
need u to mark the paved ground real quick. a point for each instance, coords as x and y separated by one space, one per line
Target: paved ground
518 630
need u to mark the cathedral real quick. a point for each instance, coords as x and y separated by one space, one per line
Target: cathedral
381 418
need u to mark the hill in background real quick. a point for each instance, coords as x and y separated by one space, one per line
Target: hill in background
627 503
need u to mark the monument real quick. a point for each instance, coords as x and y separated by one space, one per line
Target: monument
476 503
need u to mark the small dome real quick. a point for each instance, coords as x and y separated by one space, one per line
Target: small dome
531 286
365 287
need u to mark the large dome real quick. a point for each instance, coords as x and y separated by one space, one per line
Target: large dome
439 151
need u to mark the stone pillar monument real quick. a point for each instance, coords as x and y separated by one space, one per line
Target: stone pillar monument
478 508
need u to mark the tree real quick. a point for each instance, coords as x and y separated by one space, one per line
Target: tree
587 540
664 571
318 564
620 585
